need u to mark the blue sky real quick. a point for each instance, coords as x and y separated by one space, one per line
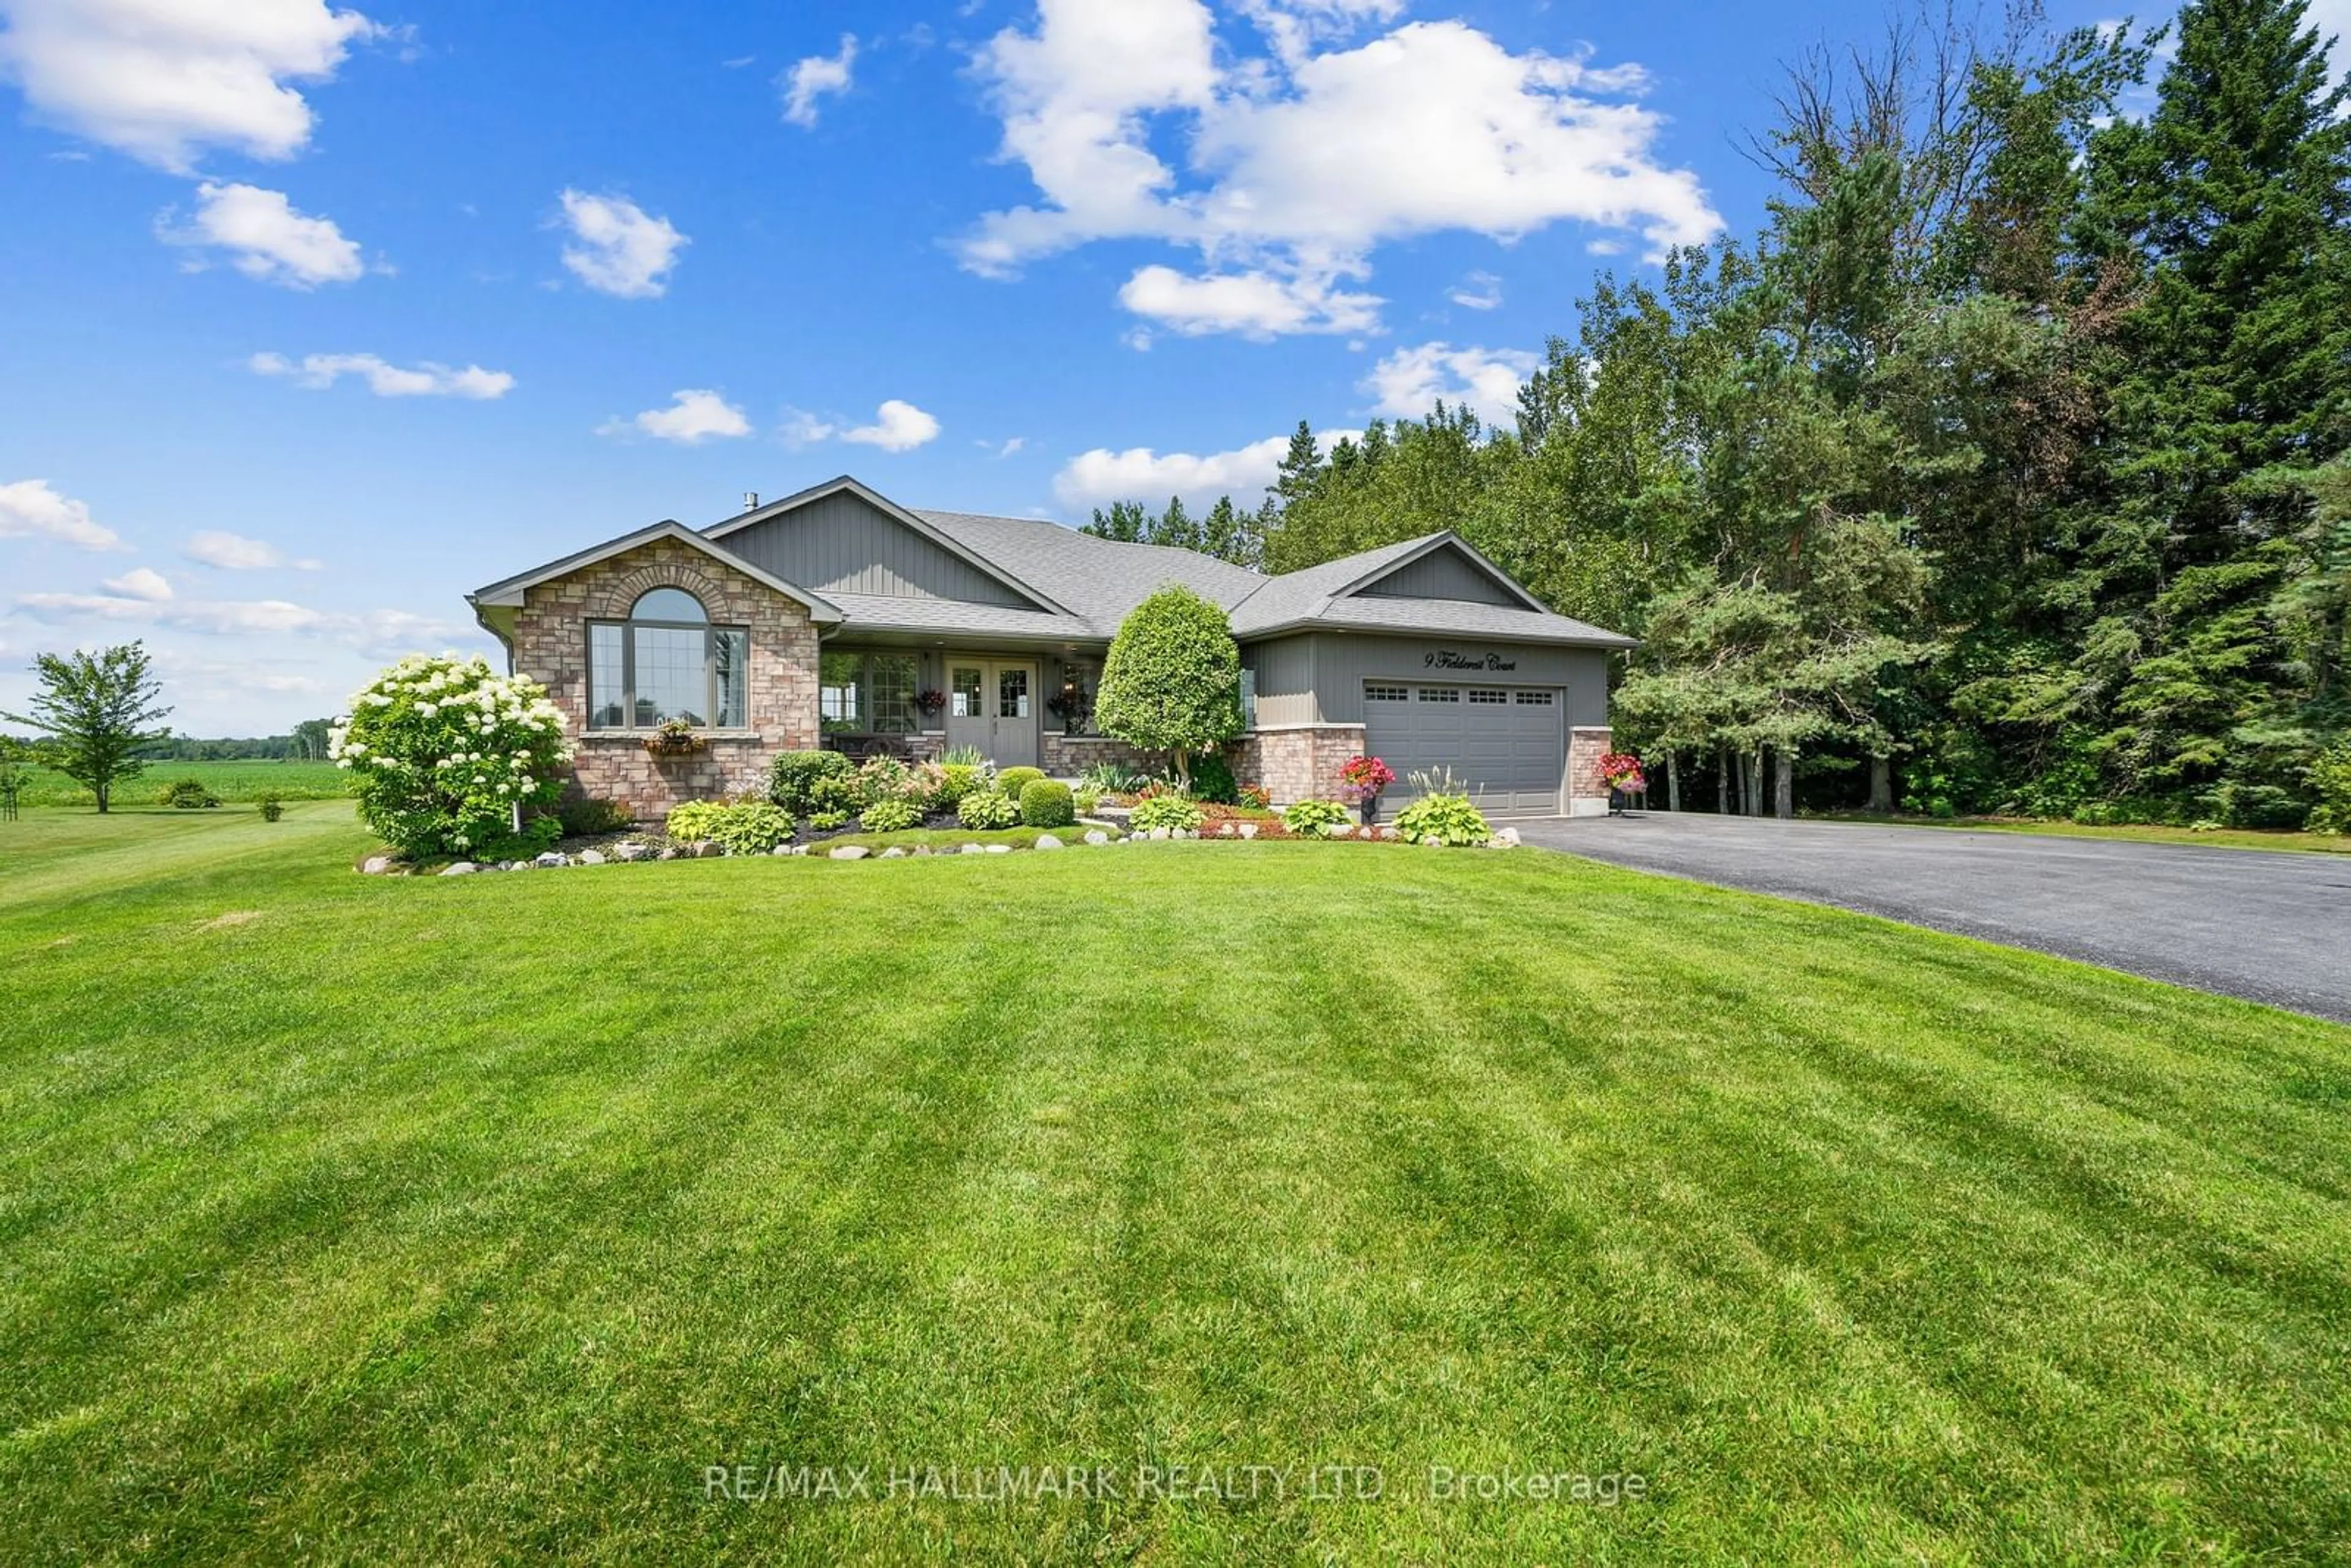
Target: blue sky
317 319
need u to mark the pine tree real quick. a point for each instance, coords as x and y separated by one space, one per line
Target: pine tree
2234 192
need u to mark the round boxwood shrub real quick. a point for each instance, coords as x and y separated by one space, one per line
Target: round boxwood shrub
1045 804
793 782
890 816
442 750
1012 780
987 808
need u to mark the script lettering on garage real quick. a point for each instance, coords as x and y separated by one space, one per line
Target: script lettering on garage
1452 659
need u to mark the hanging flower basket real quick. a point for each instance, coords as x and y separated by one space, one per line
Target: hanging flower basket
675 738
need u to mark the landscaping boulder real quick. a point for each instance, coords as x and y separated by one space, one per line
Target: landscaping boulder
971 850
459 868
1048 842
851 852
552 859
1507 836
592 857
632 851
672 853
920 850
895 852
376 865
706 849
1246 830
1096 836
1000 848
784 850
1163 833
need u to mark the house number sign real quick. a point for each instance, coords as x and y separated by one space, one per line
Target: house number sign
1448 658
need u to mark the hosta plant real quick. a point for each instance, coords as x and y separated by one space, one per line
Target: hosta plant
893 815
446 752
1314 816
1448 818
745 826
1170 811
987 808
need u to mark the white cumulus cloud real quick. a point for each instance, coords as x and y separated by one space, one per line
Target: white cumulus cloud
1098 478
427 378
618 248
898 426
695 414
1258 304
266 237
1408 382
29 508
160 80
1296 166
234 552
141 583
815 77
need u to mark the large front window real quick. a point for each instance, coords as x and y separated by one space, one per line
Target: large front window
666 662
867 694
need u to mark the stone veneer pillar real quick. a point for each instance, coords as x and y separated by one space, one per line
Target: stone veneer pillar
550 646
1587 791
1297 762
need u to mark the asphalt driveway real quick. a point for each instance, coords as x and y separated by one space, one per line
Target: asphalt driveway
2265 925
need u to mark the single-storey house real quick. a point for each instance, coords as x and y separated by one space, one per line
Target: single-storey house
836 616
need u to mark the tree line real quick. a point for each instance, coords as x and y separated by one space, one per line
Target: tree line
2004 469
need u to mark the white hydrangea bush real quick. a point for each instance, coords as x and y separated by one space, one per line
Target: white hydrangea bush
445 751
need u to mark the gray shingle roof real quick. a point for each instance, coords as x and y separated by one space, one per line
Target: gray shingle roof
1098 580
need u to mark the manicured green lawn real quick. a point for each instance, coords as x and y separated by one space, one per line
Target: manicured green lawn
237 782
372 1219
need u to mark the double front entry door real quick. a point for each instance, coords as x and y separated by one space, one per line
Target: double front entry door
991 704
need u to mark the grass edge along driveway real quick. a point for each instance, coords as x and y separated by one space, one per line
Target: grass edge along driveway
417 1219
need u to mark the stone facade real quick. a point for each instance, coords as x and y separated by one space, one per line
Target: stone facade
1067 756
1299 763
550 646
1587 791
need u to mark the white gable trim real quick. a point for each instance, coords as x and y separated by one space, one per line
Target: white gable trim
896 514
1448 540
511 590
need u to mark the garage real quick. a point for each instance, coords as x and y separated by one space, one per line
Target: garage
1508 745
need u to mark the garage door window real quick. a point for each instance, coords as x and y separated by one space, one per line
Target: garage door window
1534 699
1489 699
1440 694
1387 694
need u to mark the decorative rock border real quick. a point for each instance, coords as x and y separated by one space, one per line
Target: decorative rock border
629 851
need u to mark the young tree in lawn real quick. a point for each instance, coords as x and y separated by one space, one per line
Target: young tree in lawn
95 709
1172 682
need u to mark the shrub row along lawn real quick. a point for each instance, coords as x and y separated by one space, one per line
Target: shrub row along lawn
410 1219
240 781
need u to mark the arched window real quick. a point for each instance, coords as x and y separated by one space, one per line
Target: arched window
666 661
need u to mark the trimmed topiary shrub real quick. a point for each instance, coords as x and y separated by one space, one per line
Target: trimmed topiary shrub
890 816
1045 804
1012 780
1314 816
441 751
793 781
1171 680
987 808
1171 811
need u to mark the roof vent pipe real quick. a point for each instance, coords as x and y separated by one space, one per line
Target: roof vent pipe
750 500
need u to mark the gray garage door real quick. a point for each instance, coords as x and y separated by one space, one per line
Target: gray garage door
1505 742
